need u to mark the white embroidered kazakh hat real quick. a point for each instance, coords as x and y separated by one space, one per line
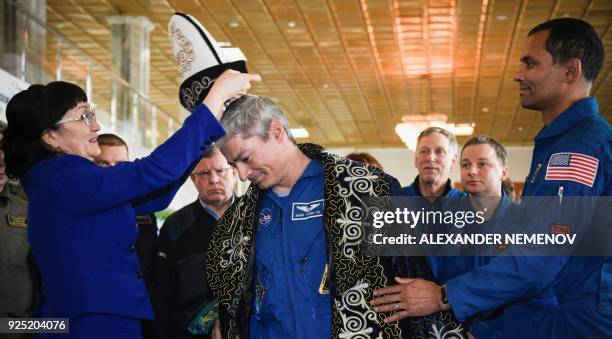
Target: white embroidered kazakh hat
200 58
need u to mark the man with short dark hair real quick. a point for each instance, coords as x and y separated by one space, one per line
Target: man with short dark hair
483 167
552 296
114 150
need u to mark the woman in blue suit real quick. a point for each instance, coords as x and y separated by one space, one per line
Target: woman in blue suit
81 217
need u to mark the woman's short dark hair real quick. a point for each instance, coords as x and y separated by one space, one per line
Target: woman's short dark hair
29 114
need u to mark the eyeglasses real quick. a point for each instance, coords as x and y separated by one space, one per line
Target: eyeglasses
205 174
88 116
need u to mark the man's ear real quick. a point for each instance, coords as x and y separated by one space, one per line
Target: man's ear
276 130
573 69
454 161
505 173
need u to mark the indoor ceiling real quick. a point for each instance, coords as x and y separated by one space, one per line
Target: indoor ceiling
348 70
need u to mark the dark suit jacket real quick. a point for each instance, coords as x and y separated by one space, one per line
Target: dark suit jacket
180 285
146 246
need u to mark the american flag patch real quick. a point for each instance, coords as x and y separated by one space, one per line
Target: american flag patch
572 166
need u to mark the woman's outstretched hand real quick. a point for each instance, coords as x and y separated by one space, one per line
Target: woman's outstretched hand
229 86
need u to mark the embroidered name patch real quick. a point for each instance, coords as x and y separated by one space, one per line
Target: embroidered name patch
307 210
17 221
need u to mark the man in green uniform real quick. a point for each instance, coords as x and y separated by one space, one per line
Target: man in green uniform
18 277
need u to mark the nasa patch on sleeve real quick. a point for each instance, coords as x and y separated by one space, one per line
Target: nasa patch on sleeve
307 210
265 216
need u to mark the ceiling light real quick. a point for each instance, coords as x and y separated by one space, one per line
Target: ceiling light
233 53
502 17
291 24
224 43
462 129
413 124
299 133
234 24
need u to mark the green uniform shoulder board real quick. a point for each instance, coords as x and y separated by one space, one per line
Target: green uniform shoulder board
143 219
20 221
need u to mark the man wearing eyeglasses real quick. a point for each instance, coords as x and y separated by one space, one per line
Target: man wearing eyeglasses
180 290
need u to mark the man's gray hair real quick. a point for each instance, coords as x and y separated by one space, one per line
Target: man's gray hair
252 115
452 140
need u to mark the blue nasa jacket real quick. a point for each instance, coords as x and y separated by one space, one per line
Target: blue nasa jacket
487 325
552 296
413 190
81 221
449 195
290 260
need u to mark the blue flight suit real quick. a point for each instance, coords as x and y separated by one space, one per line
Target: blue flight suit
449 194
423 266
555 296
290 260
469 258
413 190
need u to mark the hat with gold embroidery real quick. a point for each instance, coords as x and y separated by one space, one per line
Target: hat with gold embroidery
200 58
